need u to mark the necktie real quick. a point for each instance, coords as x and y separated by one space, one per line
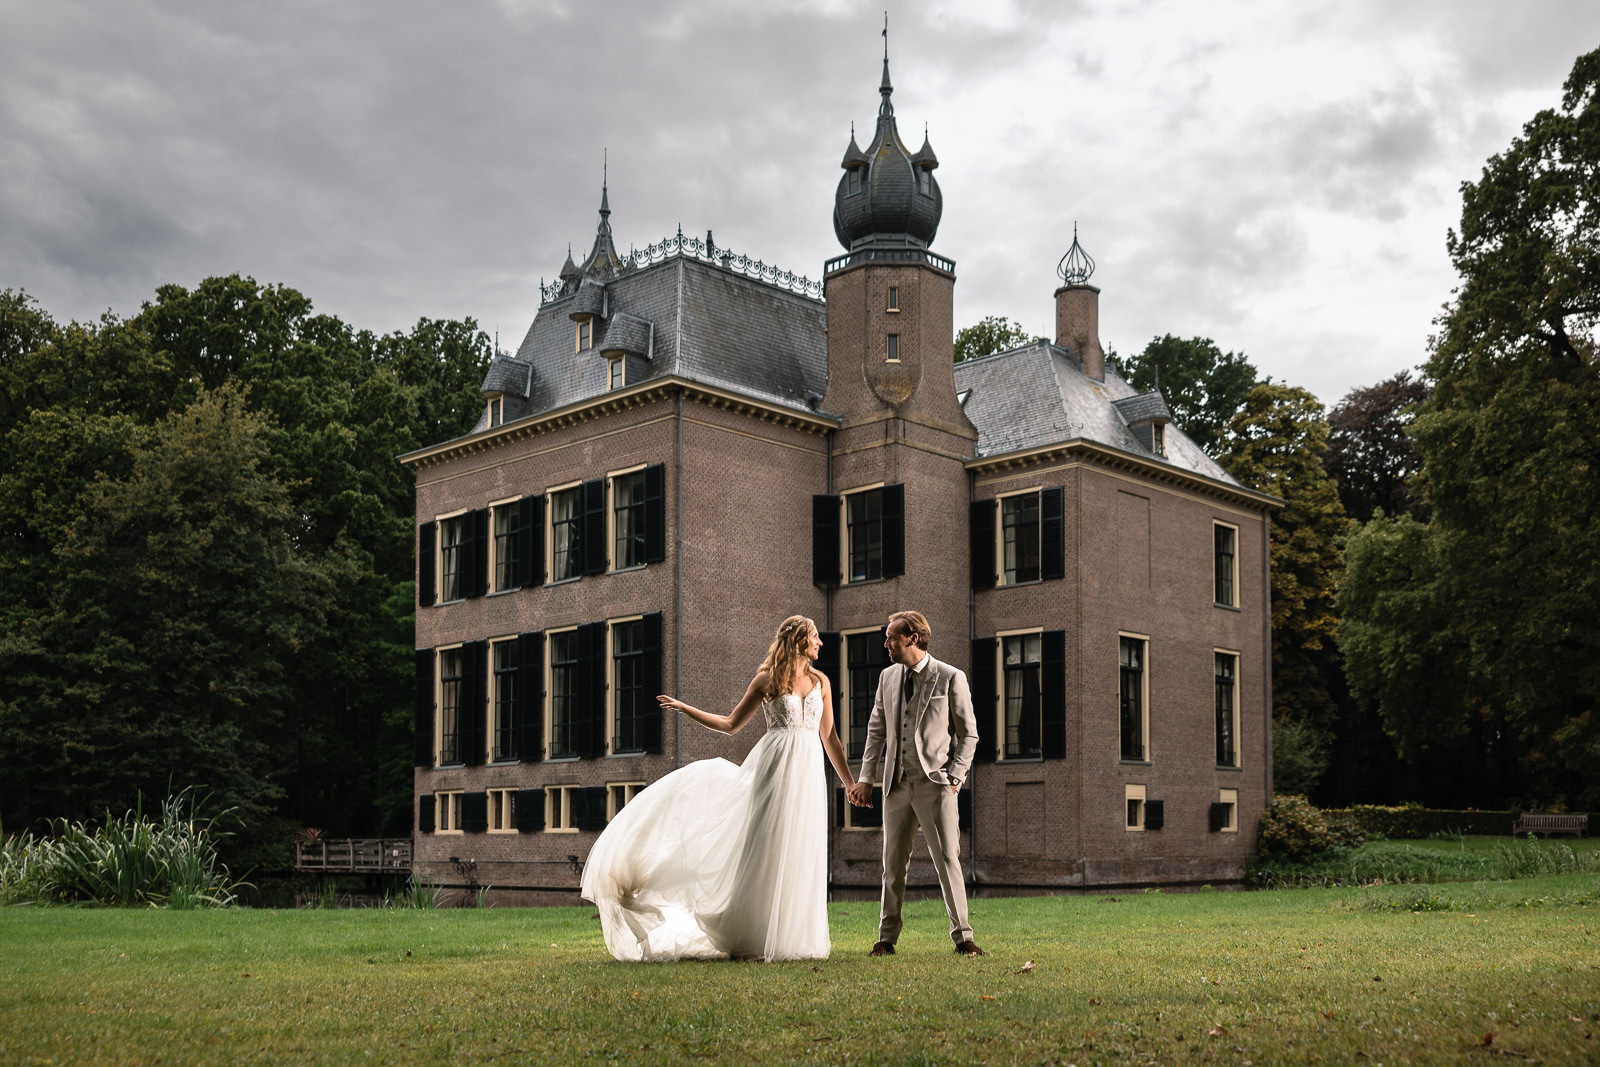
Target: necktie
908 689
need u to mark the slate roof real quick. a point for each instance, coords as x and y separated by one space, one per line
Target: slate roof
1038 396
711 325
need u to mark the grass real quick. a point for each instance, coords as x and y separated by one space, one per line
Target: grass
1397 974
1451 859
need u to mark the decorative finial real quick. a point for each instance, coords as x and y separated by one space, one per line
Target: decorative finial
1076 266
885 108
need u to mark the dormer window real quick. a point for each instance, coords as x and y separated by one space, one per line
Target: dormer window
585 337
616 373
1158 438
497 409
925 181
853 183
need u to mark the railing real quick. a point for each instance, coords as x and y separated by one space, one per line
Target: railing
889 255
391 854
707 252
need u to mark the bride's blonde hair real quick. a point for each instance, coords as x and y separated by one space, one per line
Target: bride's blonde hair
788 650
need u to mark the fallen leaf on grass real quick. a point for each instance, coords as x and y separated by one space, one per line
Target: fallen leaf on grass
1026 967
1216 1031
1488 1039
1094 1002
990 996
1329 1014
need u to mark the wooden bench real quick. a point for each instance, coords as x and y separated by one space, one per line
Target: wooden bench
1546 824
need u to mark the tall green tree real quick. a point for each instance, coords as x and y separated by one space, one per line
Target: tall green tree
1203 386
1370 451
993 333
1511 471
1275 445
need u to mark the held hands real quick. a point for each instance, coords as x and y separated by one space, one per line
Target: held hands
859 794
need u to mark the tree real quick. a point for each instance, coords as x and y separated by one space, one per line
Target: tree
1511 472
1275 445
994 333
1370 451
1203 386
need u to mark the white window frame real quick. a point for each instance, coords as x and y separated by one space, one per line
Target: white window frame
894 300
549 709
496 509
447 812
439 709
495 414
1238 753
583 335
558 809
1230 797
841 699
550 529
1000 687
616 373
438 555
1234 579
850 814
1144 696
611 515
492 704
502 811
844 531
626 790
612 688
1005 580
892 347
1131 795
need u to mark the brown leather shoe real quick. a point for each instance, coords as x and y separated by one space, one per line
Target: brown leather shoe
967 948
883 948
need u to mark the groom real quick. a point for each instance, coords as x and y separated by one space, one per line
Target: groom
921 735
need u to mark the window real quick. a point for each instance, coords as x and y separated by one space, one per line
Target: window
630 703
853 179
560 809
502 811
1225 812
925 181
507 678
585 334
1225 563
506 523
859 536
864 535
566 534
452 534
869 818
450 686
616 373
617 796
563 692
1135 715
894 298
448 812
894 348
1019 531
1020 659
628 519
1133 797
864 661
1227 666
1158 438
497 410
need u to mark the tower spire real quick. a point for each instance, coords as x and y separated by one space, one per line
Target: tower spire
885 109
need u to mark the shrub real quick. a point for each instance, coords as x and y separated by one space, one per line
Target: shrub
1293 830
131 860
1414 821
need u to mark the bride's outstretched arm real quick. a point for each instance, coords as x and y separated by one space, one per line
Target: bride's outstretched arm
731 722
830 737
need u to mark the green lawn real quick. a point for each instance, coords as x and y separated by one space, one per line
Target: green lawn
1310 975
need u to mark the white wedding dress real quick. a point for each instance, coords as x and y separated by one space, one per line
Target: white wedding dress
718 859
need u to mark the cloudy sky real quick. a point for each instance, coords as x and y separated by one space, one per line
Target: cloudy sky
1276 176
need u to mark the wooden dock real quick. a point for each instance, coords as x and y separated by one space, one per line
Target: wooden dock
379 855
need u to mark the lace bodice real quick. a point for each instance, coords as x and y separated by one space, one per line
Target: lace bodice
790 712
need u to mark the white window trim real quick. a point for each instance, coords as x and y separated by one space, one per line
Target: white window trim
493 555
550 529
438 704
1131 793
447 812
841 699
630 790
438 553
611 685
850 826
549 710
1144 696
1238 659
895 358
579 327
553 825
844 531
1231 526
1230 797
1000 694
502 807
1000 535
616 372
611 515
488 688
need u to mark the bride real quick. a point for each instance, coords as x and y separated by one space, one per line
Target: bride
718 859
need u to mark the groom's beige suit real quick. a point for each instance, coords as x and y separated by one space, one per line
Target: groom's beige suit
921 738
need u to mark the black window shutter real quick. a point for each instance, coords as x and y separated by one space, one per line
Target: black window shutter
592 496
589 808
1155 814
829 660
422 715
839 804
655 513
894 530
981 539
529 808
527 724
425 813
825 540
648 723
475 558
1219 816
982 680
427 565
530 513
588 720
964 809
475 812
474 710
1053 693
1053 528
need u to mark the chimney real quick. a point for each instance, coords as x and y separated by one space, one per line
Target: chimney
1078 327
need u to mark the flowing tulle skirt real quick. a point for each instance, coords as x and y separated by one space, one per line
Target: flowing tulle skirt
718 859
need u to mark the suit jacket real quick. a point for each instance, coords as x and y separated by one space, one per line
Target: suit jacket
946 730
